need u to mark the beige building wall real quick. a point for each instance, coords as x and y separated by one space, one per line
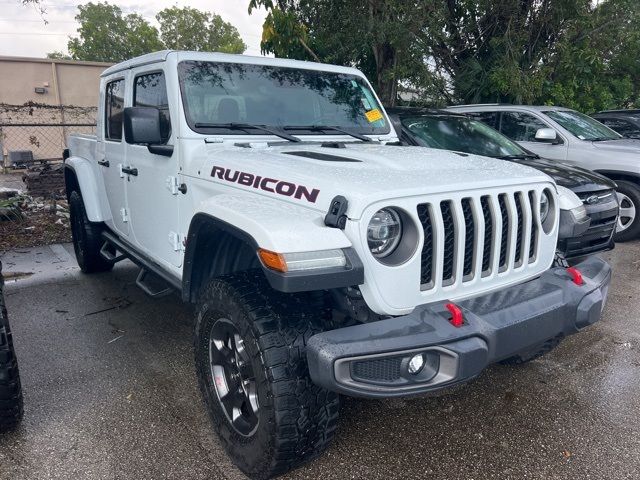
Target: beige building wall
52 82
66 82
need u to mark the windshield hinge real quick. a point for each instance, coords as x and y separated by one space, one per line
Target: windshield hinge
337 215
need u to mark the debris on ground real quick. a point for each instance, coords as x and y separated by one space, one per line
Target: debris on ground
45 180
27 221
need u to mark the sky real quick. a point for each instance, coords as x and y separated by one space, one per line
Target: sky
23 32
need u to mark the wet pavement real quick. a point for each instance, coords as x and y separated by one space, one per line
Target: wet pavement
110 393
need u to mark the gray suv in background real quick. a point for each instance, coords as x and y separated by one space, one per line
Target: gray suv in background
565 135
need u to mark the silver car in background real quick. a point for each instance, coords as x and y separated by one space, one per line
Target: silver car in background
565 135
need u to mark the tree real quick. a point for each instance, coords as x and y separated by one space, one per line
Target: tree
191 29
59 55
597 64
106 35
376 35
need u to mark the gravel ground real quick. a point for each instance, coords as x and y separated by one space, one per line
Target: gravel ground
110 393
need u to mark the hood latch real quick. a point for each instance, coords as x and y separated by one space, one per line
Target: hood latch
337 215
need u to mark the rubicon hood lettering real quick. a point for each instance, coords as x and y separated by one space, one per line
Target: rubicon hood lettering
273 185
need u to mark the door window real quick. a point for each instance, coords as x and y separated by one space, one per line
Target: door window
151 91
114 107
519 126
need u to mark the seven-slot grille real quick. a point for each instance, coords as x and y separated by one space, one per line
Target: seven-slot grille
477 236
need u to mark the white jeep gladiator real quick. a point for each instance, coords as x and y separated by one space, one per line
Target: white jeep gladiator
323 258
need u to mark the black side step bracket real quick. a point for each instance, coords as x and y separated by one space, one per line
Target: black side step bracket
111 253
152 285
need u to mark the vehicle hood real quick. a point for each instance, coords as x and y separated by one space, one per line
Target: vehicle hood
630 145
363 174
572 177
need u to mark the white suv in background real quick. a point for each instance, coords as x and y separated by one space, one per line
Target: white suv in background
568 136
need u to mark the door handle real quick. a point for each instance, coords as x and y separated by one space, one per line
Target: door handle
103 163
130 171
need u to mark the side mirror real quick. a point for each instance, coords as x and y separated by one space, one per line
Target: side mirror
547 135
142 125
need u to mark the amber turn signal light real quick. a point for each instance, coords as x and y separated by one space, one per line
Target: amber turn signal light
272 260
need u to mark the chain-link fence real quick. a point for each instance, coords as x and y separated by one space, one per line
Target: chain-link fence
37 133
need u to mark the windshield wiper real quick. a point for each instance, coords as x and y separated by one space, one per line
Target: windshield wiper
321 128
248 126
604 139
517 157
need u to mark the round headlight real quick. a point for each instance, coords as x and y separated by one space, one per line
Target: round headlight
384 232
544 207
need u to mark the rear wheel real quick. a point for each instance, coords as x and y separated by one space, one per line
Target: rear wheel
10 388
87 241
628 227
250 352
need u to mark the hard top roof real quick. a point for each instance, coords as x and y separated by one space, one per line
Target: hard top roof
163 55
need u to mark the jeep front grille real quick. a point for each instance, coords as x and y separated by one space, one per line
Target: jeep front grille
479 236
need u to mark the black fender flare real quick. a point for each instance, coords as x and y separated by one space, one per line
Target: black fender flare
289 282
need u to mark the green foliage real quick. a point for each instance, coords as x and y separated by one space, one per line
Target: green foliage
59 55
107 35
578 53
191 29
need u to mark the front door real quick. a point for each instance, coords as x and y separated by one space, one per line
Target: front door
110 154
152 193
521 127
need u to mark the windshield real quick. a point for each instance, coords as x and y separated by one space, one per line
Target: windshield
215 94
582 126
461 134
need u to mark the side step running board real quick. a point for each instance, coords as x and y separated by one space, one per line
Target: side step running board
152 279
111 253
152 285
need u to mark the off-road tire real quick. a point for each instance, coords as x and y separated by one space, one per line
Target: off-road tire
87 241
10 389
632 191
296 418
533 353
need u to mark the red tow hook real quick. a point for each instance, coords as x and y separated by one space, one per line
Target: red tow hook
576 275
457 320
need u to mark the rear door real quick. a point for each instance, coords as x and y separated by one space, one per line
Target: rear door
152 193
111 154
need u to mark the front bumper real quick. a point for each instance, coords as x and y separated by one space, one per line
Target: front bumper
371 360
599 235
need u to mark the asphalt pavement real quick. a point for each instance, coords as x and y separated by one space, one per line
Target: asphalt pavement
110 393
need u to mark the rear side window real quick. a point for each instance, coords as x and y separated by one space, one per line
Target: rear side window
519 126
489 118
151 91
114 107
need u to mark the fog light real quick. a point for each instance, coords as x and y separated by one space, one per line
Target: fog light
416 364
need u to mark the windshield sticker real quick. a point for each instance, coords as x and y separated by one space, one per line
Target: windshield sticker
373 115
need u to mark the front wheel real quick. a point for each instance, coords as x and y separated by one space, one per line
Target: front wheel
250 352
628 227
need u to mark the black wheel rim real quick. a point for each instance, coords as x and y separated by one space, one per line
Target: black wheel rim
233 377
